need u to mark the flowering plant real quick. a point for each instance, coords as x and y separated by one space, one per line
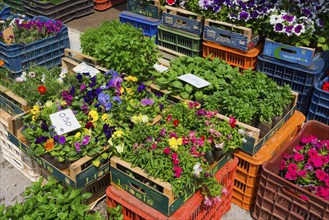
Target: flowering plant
301 23
325 86
307 166
28 31
174 149
38 84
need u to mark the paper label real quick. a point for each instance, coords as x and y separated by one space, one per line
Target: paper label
64 121
194 80
8 35
84 68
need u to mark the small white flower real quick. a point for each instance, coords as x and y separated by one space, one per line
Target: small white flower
43 79
23 74
145 119
19 79
49 104
244 140
274 19
60 80
120 148
197 169
31 74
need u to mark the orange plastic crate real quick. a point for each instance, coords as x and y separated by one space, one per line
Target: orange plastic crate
102 5
249 167
234 57
193 209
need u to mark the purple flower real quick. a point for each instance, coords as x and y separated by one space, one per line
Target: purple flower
141 88
82 87
207 201
298 28
288 18
77 146
288 28
146 102
85 140
62 140
163 132
307 12
161 106
244 15
204 4
79 77
319 23
40 140
278 27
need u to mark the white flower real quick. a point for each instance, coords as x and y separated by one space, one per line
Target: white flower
220 146
19 79
110 142
60 80
244 140
197 169
274 19
23 74
43 79
241 132
62 75
31 74
145 119
120 148
49 104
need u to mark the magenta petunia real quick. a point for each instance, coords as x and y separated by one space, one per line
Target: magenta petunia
319 161
305 198
299 147
298 157
292 168
287 156
312 153
309 139
302 173
283 164
320 174
291 176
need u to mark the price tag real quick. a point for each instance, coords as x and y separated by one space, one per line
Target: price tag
160 68
64 121
84 68
194 80
8 35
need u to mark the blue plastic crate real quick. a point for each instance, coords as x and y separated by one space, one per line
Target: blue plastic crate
319 107
5 12
299 78
149 25
45 52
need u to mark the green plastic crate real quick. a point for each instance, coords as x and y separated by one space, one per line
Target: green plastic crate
151 9
179 41
16 6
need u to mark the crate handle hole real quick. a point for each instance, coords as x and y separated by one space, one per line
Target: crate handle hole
181 22
288 51
225 36
140 189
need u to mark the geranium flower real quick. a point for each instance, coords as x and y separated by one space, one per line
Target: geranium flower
169 118
49 145
42 90
175 123
178 170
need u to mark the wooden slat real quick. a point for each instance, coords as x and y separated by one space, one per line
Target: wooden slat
172 10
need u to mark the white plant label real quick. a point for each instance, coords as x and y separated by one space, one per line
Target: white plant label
64 121
85 68
194 80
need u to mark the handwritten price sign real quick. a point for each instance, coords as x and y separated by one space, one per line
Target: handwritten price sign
64 121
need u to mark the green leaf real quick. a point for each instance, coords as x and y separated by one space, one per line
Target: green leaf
86 195
39 150
74 193
62 215
105 155
321 40
96 162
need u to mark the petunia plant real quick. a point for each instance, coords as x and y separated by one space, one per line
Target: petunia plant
307 166
174 148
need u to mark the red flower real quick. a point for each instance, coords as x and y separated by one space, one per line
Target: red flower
232 121
89 125
171 2
203 137
166 150
169 118
325 86
176 121
42 89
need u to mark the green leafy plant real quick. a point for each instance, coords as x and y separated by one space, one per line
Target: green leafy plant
121 47
50 201
115 213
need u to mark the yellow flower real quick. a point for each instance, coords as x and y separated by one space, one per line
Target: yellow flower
77 135
174 143
118 133
87 131
63 103
33 118
94 115
122 90
145 119
35 110
104 117
131 78
134 119
130 91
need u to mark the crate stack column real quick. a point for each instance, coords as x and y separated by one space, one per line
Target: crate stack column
141 14
239 48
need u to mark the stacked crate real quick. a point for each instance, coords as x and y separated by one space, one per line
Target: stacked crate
180 32
193 208
239 48
144 15
102 5
249 167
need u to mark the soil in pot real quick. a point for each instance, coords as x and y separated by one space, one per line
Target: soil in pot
209 157
286 109
264 128
275 120
53 161
217 153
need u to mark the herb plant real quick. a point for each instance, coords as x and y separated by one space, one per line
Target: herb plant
121 47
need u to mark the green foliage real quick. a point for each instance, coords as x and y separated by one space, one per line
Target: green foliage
49 201
115 213
37 76
121 47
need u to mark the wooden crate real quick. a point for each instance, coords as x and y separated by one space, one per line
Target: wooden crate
162 198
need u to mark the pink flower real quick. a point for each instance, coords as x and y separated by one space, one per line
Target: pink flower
166 150
173 134
178 170
207 201
299 147
217 199
191 134
302 173
298 157
309 139
292 168
319 161
174 156
224 191
185 140
312 153
326 180
320 174
291 176
176 162
305 198
169 118
283 164
287 156
232 121
154 146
